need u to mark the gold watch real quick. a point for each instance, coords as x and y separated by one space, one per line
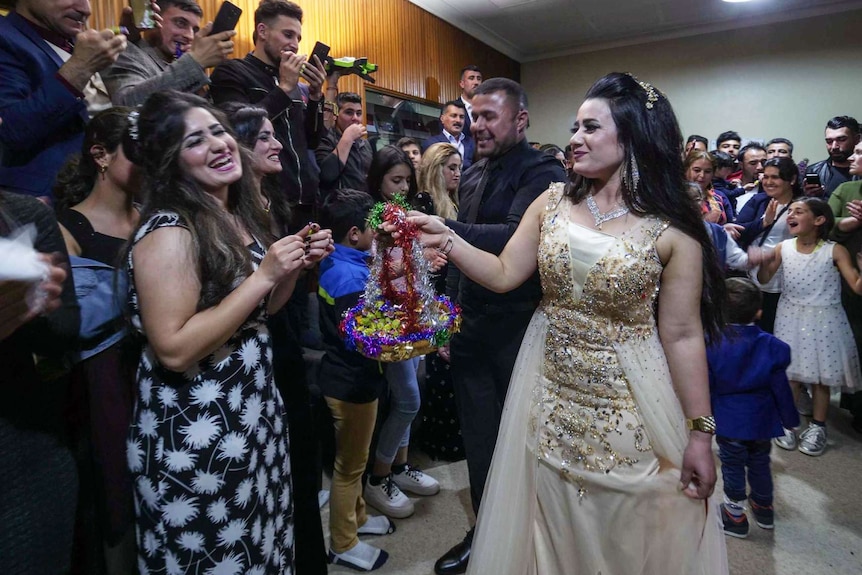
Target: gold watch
704 423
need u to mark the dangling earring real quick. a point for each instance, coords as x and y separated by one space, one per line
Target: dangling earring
635 174
102 169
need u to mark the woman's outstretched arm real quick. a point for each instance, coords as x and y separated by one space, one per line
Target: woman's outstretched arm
500 273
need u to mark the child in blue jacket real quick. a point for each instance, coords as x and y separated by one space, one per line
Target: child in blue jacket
351 384
752 403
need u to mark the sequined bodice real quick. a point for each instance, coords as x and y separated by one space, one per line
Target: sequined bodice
599 290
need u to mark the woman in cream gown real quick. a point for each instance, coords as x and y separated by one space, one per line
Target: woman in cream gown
595 470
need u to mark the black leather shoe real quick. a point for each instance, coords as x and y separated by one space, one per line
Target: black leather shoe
455 560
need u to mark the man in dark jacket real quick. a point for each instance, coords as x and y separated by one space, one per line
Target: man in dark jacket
49 65
344 155
494 194
269 78
841 135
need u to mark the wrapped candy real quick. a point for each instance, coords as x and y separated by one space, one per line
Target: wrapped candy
398 316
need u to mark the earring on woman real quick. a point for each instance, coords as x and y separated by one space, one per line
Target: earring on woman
102 169
631 176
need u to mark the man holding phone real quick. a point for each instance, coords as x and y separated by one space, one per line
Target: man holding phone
173 57
821 179
269 77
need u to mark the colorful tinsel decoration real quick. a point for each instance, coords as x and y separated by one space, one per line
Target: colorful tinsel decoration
399 315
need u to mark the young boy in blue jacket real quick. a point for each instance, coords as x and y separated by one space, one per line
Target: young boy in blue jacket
351 383
751 402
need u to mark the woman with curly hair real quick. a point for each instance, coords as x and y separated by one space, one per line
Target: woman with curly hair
208 448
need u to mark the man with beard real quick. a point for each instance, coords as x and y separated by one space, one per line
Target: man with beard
494 194
471 77
173 57
269 77
842 134
453 119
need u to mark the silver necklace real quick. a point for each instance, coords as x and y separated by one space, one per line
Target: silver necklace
599 218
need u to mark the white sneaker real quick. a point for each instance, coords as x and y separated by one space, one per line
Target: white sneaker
416 481
813 440
387 497
788 441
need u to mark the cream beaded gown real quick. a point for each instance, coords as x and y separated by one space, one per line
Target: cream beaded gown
586 472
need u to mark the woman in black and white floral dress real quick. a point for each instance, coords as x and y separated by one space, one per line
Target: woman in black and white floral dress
208 448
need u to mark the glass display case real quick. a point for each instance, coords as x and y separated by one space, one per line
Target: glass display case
390 116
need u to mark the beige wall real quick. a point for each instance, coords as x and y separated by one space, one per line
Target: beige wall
781 80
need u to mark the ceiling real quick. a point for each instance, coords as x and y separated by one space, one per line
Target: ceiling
528 30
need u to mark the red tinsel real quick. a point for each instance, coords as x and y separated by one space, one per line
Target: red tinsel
408 299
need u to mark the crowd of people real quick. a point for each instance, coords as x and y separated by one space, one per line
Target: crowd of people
624 298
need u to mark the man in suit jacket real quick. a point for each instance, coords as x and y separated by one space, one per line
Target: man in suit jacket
471 77
453 120
173 57
47 61
493 196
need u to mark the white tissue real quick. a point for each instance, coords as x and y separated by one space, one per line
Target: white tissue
18 260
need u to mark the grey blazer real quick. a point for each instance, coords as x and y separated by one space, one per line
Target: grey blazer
141 71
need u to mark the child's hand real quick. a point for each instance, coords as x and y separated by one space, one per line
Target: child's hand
733 230
436 260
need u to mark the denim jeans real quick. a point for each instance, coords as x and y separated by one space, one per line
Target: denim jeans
404 404
737 457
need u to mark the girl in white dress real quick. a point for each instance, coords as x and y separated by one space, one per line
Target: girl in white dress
810 317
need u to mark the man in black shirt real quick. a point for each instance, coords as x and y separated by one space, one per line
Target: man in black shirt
494 194
269 77
344 155
842 135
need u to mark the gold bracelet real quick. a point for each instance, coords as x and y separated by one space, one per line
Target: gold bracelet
704 423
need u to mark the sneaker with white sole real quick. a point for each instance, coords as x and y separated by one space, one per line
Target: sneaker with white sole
415 481
813 440
361 557
387 497
787 441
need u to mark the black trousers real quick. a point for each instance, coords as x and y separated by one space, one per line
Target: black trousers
290 378
483 355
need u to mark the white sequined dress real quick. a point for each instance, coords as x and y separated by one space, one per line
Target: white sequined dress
812 321
585 476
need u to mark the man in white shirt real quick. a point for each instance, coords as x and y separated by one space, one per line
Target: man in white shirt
453 118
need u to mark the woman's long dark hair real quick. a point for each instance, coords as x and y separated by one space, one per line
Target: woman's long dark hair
220 255
648 131
384 160
247 122
78 175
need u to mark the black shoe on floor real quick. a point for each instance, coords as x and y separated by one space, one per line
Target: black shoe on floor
454 561
735 526
764 515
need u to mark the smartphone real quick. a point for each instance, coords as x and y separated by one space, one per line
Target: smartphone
321 50
143 14
227 18
812 179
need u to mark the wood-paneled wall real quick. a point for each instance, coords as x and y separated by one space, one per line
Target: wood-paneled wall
419 55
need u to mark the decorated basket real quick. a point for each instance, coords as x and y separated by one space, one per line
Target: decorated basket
399 316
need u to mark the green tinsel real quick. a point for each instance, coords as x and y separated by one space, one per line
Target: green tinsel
375 218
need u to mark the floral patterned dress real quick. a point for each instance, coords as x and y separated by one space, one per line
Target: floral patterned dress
208 451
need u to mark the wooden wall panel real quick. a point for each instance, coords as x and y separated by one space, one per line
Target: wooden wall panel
419 55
